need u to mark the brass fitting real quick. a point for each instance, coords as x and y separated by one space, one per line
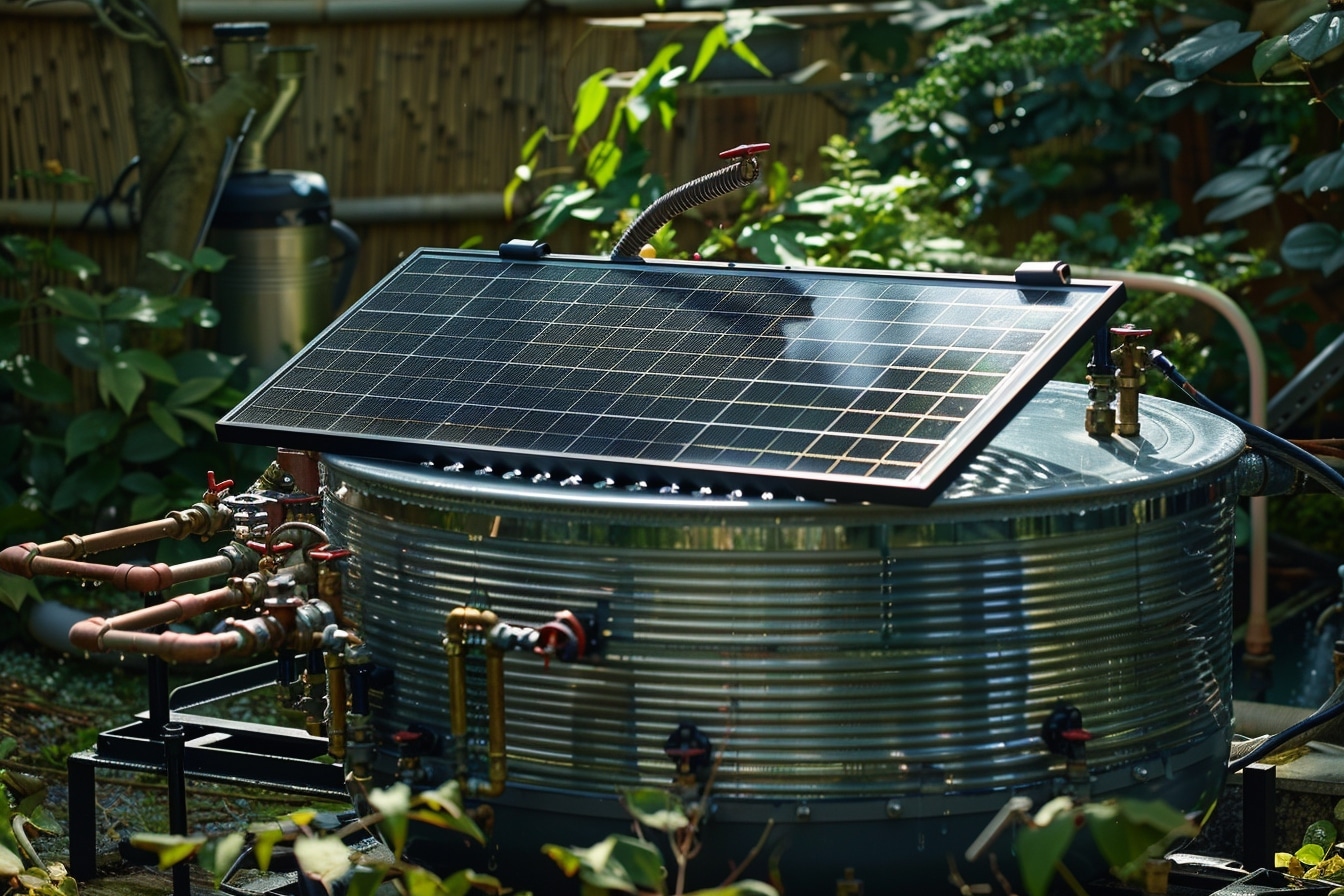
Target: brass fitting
334 661
1132 361
1099 420
462 620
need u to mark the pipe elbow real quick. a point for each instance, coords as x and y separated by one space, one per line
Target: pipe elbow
142 579
18 559
87 634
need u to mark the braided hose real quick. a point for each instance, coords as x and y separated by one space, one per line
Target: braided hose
687 196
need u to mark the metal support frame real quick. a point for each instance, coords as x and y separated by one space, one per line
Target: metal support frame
267 756
1257 816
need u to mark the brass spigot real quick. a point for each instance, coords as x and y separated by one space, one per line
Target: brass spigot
1132 361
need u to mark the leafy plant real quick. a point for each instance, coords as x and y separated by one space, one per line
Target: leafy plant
1319 856
23 813
1127 833
125 428
625 864
325 858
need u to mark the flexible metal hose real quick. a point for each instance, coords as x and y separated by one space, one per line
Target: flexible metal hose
687 196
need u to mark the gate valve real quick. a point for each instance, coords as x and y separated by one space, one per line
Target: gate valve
1063 732
563 638
689 748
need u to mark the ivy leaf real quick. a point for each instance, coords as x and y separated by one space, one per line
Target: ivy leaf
1307 246
1167 87
1269 54
1317 36
1232 183
1201 53
90 430
1247 202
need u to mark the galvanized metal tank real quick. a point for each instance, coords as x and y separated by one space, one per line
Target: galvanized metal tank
874 678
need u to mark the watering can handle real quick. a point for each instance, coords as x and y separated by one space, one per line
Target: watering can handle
350 240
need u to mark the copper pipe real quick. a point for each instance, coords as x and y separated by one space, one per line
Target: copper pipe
89 634
174 647
199 519
460 621
336 704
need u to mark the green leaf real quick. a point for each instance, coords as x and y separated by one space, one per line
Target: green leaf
533 143
63 258
322 858
10 863
741 888
1167 87
142 483
151 364
1200 53
167 423
1322 833
1317 36
1310 854
1232 183
88 485
90 430
394 803
1040 849
137 305
71 302
365 880
655 808
148 507
14 590
589 104
1307 246
192 392
1269 156
714 41
463 882
1249 201
603 163
170 261
199 363
1333 262
658 66
204 419
170 848
33 379
744 52
209 260
265 837
1269 54
219 853
117 379
145 444
1324 173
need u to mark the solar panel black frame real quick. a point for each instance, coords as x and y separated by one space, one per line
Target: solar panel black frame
820 383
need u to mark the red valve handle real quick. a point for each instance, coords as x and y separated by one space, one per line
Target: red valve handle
1076 734
214 487
1130 330
332 554
746 149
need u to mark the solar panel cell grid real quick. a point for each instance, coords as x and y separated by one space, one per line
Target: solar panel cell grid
827 382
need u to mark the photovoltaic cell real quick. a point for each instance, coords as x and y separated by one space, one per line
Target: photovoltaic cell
822 383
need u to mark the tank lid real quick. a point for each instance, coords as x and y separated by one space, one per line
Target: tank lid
273 198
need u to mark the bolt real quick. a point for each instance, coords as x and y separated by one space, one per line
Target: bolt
803 812
1141 773
893 808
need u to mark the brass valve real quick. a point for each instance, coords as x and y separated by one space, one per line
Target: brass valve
1131 359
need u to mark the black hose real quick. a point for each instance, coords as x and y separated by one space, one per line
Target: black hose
1270 744
687 196
1258 438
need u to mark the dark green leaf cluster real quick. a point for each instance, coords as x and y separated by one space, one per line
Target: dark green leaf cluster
118 424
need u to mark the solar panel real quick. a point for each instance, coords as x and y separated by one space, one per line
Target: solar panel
827 384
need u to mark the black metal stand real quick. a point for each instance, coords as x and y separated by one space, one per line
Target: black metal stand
267 756
1257 815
